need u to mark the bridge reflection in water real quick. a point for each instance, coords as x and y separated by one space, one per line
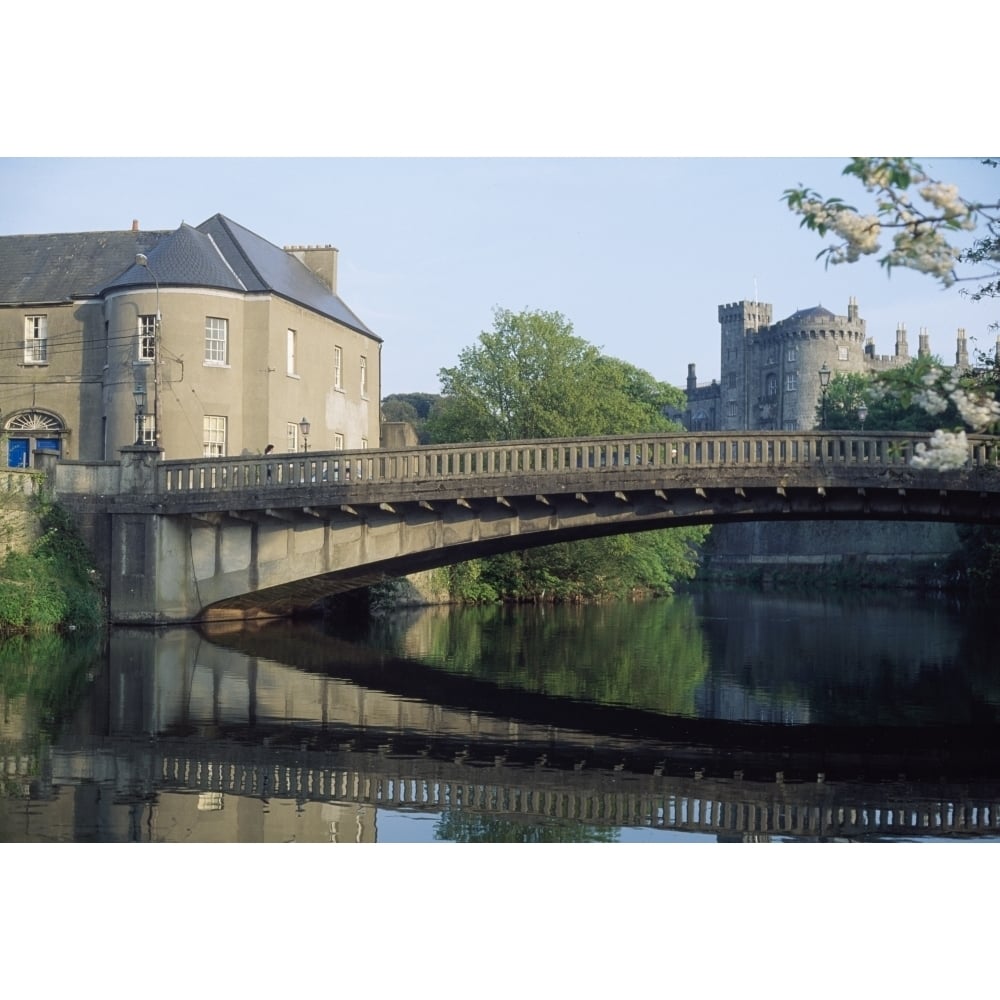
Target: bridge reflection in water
184 739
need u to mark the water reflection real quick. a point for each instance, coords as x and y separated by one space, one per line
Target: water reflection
724 716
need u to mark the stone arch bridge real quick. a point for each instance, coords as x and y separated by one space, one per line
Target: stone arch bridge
217 538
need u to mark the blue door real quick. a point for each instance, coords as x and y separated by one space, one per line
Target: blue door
17 453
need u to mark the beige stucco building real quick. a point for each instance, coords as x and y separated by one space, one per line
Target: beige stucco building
203 340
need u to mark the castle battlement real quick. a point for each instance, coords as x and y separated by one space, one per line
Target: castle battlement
772 373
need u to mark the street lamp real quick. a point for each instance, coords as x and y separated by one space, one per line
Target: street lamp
304 426
139 395
824 384
143 261
862 414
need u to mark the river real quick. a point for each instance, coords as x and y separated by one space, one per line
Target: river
714 716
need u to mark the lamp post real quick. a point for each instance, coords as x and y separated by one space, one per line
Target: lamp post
304 426
824 384
143 261
862 414
139 395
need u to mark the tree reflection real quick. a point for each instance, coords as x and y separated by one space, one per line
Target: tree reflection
570 651
472 828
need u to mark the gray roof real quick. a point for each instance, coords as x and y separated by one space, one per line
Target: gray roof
812 313
59 267
220 253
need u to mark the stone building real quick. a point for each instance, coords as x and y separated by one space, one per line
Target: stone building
770 381
770 372
202 341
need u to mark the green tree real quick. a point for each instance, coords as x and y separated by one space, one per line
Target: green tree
888 397
532 377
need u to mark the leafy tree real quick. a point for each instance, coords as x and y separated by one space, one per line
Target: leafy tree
412 408
532 377
889 397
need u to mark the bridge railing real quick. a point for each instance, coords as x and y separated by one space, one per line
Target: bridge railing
430 463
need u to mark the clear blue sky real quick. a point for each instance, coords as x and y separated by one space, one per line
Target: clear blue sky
636 252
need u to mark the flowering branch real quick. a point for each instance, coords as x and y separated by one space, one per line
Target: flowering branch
921 226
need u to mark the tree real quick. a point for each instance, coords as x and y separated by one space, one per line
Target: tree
532 377
925 218
922 215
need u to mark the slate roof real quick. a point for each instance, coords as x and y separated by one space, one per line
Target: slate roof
220 253
812 313
58 267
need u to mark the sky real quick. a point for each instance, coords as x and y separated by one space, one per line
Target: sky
636 252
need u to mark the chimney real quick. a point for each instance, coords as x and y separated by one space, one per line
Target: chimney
961 350
902 348
135 225
322 261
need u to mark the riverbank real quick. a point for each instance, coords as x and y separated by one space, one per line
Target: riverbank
47 579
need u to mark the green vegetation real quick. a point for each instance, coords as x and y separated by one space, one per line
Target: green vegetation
52 585
531 377
660 669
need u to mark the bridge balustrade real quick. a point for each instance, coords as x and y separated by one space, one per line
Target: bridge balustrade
552 457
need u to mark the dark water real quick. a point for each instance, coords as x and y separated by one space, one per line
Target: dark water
725 716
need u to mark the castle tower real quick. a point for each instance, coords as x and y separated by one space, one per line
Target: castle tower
740 322
692 382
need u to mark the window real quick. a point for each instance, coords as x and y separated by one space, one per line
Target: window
771 385
791 382
364 442
364 377
732 408
36 340
792 357
147 338
338 368
292 437
790 425
842 354
338 442
145 429
216 341
731 380
290 352
214 436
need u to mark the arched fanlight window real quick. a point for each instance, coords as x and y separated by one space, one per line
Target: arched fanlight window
35 423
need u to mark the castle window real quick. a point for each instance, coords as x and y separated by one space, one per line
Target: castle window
364 377
338 442
791 382
771 385
842 354
732 408
147 338
216 341
338 368
793 354
731 380
291 345
790 425
36 340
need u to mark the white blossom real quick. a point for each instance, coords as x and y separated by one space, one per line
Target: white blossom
945 450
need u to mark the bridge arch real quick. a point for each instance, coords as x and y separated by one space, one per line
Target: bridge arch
218 538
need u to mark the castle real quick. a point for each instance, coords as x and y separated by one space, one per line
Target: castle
770 372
